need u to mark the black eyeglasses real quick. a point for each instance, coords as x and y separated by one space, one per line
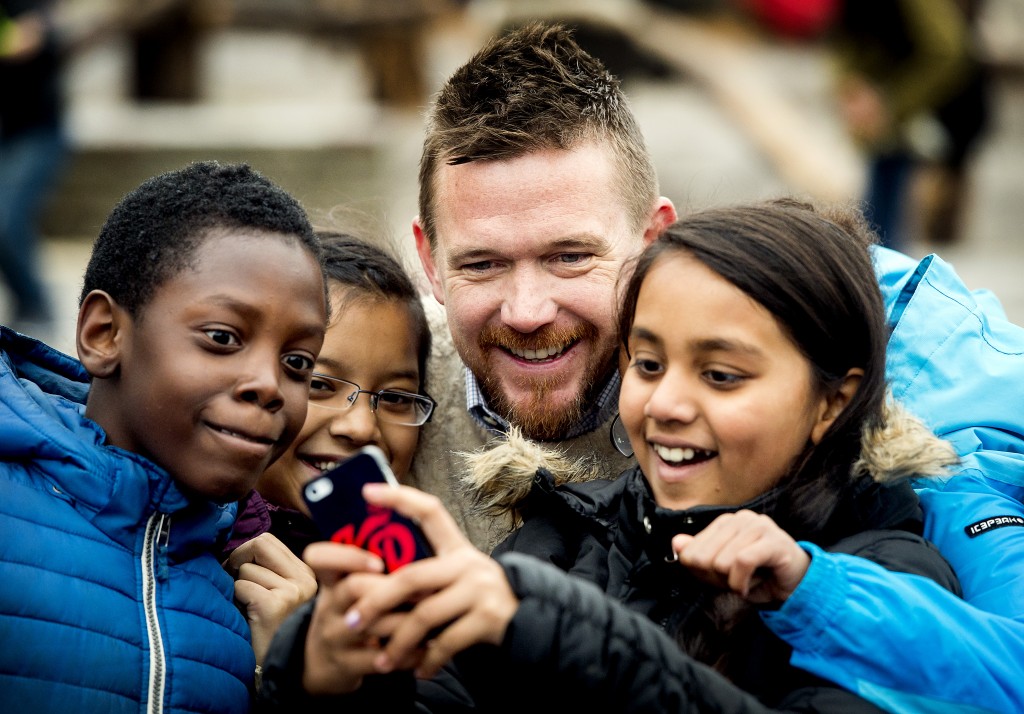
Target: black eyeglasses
390 405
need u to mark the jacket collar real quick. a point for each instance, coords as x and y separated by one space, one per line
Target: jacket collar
42 408
655 526
627 505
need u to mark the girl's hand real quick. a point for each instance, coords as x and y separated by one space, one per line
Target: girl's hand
270 582
459 597
336 656
747 553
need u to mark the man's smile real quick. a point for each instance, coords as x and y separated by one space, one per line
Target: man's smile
541 354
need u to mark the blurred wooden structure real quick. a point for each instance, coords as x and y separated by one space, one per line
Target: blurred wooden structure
165 34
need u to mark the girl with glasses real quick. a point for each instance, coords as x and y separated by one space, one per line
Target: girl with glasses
367 388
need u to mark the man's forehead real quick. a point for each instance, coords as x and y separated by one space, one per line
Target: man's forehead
589 172
564 198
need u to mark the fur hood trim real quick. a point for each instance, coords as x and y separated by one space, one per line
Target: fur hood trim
499 477
903 447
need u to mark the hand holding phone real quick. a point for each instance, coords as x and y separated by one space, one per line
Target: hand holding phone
336 503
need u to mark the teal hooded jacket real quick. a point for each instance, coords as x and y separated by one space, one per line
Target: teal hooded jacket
956 362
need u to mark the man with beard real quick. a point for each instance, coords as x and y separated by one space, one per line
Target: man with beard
536 188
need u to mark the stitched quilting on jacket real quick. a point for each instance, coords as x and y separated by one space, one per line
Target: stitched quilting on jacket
111 597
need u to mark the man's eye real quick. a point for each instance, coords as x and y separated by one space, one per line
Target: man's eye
479 266
573 258
223 337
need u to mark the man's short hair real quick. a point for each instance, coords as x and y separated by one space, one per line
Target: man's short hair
154 231
531 89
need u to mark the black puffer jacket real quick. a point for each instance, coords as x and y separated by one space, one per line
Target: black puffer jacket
571 647
614 536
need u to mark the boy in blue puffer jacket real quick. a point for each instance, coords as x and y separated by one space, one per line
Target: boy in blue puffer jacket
202 312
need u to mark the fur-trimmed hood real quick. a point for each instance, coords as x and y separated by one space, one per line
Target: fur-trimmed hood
498 478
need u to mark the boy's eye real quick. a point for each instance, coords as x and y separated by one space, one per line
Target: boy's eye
223 337
299 363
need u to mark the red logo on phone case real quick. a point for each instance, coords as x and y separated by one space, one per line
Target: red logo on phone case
392 540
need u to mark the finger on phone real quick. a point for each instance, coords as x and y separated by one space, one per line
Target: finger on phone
437 524
333 561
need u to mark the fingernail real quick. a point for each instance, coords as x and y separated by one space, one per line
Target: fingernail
352 619
382 663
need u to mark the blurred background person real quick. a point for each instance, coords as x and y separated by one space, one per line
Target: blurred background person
33 150
910 89
912 93
965 117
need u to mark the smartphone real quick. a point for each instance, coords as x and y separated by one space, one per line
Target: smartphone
336 503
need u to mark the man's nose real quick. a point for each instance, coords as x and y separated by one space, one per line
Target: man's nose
529 302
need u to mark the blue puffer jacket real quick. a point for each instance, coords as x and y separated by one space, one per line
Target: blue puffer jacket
956 362
110 597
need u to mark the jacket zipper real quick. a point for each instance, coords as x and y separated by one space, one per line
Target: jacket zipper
158 532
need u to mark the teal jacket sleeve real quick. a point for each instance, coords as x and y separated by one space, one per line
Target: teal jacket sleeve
900 640
977 522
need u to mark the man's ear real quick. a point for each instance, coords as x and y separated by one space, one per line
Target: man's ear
100 333
662 217
427 260
834 404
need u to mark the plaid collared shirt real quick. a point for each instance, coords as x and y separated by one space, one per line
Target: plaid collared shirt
604 406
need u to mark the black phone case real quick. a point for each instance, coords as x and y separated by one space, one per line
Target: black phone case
336 503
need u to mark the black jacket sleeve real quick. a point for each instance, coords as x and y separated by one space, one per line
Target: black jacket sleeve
594 652
282 692
568 648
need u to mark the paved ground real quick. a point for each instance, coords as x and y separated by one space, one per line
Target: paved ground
760 129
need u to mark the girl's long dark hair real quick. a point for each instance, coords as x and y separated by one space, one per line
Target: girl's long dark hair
813 272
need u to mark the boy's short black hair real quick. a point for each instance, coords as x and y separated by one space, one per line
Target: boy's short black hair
154 231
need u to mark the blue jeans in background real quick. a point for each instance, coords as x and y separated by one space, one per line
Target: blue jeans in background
30 163
887 194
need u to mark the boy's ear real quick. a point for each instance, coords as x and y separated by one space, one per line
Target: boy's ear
100 333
